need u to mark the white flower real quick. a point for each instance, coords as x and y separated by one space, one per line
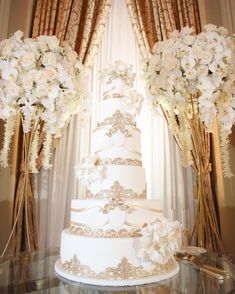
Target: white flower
53 43
160 240
198 52
28 60
202 70
27 82
188 62
12 89
8 70
49 59
89 171
207 57
191 73
5 48
210 28
188 39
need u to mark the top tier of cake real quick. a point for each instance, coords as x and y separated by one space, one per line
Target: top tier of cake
116 142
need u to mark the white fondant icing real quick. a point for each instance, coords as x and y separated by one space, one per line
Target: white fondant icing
90 213
130 177
116 146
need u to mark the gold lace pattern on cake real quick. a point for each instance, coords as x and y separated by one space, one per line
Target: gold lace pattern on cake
117 203
116 191
124 270
119 122
113 95
119 161
100 233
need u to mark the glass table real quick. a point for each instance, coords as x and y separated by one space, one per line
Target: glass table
34 273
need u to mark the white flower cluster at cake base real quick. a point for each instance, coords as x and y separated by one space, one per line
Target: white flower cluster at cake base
161 240
89 171
194 75
41 81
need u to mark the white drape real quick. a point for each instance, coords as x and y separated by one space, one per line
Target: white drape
166 179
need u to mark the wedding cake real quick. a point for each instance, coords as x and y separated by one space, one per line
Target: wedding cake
117 237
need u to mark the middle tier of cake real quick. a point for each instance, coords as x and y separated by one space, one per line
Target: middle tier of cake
112 217
119 181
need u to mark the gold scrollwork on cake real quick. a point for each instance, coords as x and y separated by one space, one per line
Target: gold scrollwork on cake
100 233
117 203
119 161
116 191
124 270
112 95
119 122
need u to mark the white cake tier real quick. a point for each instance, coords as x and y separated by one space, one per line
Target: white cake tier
119 181
118 145
109 261
109 106
114 217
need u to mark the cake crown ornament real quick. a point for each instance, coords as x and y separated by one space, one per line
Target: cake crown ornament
117 236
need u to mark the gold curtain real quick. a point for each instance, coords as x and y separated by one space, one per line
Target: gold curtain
80 23
152 21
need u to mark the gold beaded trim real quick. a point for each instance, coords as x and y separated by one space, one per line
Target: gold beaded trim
100 233
124 270
119 121
119 161
116 191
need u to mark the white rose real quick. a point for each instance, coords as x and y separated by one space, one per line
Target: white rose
50 73
27 82
40 77
170 62
5 48
53 43
18 35
28 60
41 90
210 28
155 59
9 72
49 59
188 39
12 89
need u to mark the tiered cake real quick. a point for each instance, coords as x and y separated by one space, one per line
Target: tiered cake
117 237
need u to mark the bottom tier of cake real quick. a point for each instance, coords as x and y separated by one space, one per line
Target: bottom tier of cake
114 261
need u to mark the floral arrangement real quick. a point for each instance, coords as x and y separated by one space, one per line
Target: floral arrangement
41 81
89 171
190 75
161 240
